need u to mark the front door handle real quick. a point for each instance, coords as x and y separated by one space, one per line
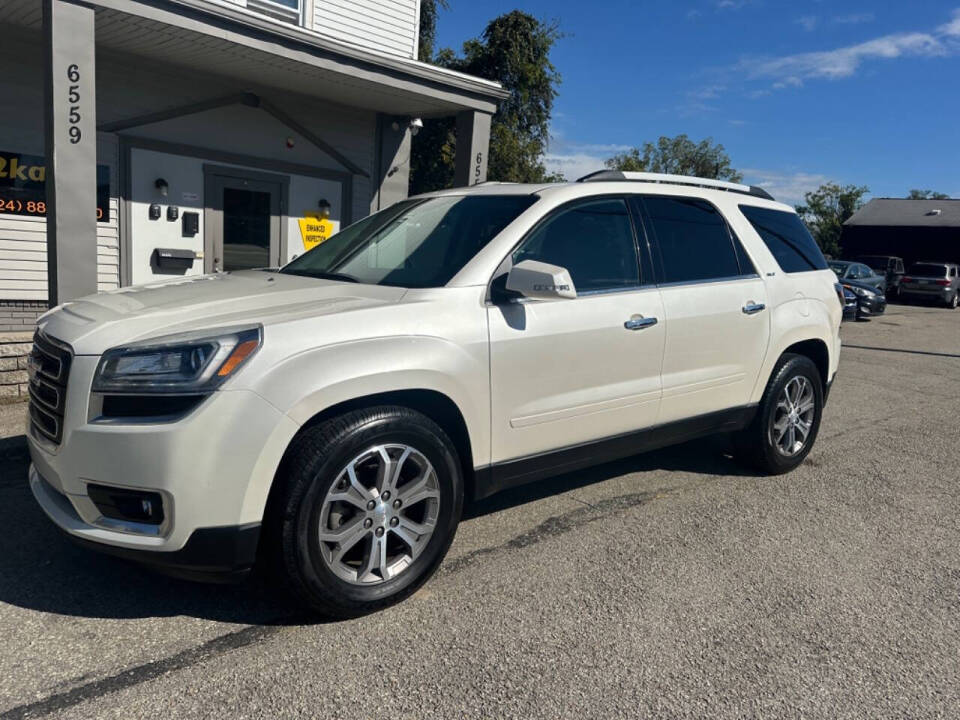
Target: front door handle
638 322
752 308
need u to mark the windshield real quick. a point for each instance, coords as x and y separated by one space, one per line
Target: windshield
838 268
415 243
928 270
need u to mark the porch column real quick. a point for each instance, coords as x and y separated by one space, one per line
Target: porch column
392 181
473 146
70 145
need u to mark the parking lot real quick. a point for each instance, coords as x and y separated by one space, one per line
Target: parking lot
673 584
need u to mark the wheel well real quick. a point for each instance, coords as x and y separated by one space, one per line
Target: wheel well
435 405
817 351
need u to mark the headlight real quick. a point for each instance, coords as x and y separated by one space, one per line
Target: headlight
862 292
186 363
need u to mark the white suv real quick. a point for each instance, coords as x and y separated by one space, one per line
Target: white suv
330 417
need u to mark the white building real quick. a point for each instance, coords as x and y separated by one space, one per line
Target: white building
221 130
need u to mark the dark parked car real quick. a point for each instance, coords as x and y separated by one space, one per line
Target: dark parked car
890 266
937 281
847 271
870 301
849 304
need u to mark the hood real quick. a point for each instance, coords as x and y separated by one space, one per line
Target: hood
95 323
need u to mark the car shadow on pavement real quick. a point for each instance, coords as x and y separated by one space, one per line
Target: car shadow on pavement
42 570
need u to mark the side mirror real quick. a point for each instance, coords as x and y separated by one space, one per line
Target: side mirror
541 281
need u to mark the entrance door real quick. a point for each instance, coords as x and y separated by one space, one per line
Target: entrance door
244 225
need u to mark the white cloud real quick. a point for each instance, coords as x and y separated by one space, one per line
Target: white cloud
574 165
787 187
574 160
843 62
952 28
808 22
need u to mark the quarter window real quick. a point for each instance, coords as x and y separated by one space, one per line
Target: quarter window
787 238
694 240
592 240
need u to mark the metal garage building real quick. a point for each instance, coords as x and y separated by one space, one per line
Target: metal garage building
146 139
912 229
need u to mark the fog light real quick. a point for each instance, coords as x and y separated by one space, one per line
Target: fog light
140 506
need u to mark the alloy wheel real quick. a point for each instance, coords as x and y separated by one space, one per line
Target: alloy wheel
379 514
793 417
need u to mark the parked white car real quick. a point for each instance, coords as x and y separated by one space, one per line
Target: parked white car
330 417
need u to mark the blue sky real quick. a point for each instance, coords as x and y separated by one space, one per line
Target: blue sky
798 92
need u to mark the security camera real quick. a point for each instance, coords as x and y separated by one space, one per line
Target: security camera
415 125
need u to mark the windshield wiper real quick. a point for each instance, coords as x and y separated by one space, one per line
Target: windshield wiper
342 277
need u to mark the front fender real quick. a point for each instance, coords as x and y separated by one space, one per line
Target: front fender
312 381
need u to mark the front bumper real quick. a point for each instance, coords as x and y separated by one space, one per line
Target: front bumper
211 554
871 306
213 469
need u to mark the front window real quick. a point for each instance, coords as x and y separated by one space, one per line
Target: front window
592 240
415 243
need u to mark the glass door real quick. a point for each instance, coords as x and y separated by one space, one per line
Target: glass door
245 232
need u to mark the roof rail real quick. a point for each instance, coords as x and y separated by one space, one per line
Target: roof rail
619 175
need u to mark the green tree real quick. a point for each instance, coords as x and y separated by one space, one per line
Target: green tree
678 156
927 195
514 50
827 209
429 10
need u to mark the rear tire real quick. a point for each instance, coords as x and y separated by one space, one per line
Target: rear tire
346 547
954 301
785 427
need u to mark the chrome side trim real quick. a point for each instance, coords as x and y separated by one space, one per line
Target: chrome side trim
708 281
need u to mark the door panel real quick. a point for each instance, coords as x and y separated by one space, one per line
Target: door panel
714 304
566 372
713 349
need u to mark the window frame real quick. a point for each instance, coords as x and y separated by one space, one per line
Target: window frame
740 251
278 11
500 296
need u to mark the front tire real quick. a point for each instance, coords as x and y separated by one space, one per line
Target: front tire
785 427
367 507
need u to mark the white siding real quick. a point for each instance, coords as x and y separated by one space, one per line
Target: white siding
23 244
23 240
387 26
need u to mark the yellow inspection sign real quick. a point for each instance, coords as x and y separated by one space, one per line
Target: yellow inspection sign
314 229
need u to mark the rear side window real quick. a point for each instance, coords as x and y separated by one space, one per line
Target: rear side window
693 240
787 238
592 240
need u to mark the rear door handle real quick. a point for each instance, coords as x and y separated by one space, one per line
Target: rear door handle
639 323
752 308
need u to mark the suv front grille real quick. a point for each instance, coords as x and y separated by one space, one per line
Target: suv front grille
49 367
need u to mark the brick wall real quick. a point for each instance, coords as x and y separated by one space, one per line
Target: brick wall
14 348
20 315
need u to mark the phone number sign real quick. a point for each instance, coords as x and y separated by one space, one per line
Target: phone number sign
23 186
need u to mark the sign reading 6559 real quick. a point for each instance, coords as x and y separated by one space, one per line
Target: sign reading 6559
73 99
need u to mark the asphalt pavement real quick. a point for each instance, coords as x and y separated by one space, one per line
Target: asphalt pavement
675 584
